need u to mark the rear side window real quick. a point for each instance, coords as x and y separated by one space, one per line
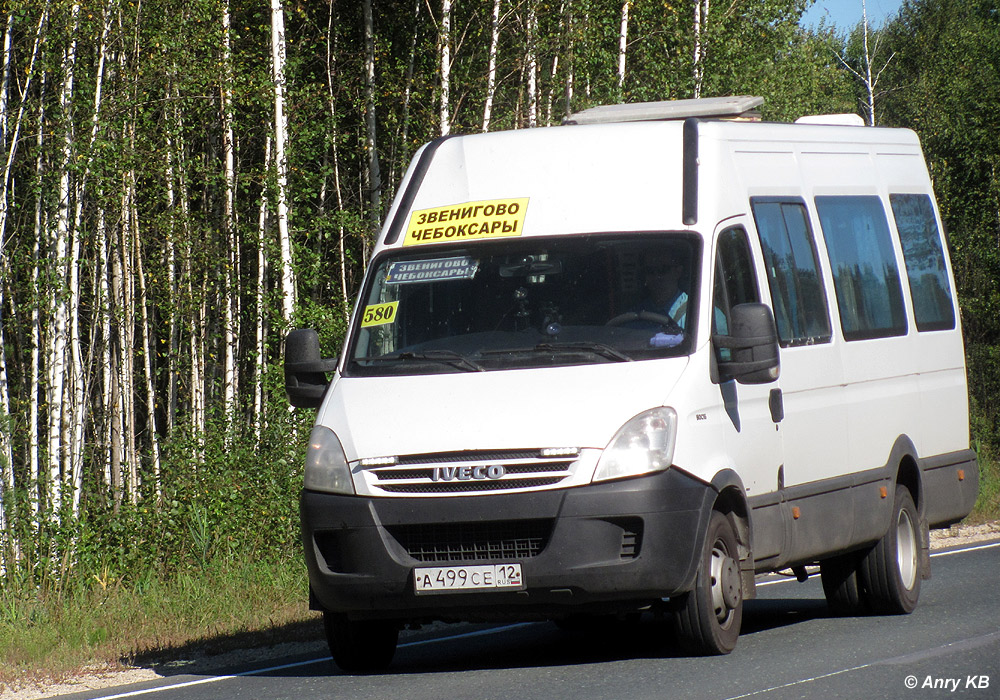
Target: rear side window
865 274
800 308
923 254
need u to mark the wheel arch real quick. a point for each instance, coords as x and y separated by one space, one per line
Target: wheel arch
904 465
731 501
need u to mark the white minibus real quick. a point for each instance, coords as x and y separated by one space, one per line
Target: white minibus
628 363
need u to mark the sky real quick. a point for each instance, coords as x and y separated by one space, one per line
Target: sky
845 14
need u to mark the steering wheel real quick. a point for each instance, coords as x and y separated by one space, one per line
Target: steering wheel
630 316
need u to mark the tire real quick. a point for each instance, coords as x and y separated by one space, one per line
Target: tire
843 591
708 618
360 646
890 573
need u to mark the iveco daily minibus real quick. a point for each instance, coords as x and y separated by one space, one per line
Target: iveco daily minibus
627 363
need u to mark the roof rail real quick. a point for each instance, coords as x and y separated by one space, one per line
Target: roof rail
738 107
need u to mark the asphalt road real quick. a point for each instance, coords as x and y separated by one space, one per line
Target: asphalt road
790 648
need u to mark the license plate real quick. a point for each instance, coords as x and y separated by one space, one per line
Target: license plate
439 579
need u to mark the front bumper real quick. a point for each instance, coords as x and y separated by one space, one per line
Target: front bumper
617 545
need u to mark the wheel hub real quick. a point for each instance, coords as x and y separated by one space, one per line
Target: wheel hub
726 587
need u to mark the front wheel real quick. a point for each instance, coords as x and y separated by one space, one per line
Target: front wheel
708 618
890 573
360 646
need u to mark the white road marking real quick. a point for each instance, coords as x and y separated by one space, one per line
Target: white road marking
951 647
297 664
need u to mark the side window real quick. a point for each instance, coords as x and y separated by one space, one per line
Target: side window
800 309
735 281
933 305
865 275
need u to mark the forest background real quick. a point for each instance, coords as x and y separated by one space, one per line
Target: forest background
185 180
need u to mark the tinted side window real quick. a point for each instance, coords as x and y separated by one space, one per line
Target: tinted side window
735 281
933 305
865 275
800 309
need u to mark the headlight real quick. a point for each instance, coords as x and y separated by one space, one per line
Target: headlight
326 464
645 444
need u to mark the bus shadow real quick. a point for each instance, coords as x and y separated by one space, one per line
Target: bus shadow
299 649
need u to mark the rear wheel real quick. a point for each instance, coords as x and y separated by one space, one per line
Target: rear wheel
890 573
360 646
840 584
708 618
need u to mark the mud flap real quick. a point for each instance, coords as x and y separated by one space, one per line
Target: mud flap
925 550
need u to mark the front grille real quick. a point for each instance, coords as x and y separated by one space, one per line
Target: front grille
472 542
446 473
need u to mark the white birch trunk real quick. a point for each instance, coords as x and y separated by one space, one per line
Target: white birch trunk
8 41
622 47
870 81
171 260
700 49
570 59
532 65
491 68
126 342
444 39
550 93
281 159
371 144
79 379
6 448
58 436
103 303
231 286
261 359
115 342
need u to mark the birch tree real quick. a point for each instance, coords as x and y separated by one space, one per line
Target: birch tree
700 46
869 79
371 142
58 425
622 47
531 64
491 70
288 289
6 446
231 276
444 47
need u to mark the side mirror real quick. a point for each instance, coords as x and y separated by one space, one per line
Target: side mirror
752 343
305 370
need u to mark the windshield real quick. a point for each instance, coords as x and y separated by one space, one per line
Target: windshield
529 302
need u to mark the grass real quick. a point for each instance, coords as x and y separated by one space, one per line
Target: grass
106 623
987 506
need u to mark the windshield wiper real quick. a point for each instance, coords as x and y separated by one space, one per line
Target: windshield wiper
601 349
447 357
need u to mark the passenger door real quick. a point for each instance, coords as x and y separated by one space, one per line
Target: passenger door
815 425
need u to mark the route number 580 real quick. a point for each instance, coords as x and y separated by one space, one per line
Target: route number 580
379 314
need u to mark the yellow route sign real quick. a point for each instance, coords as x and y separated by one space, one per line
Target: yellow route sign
494 218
